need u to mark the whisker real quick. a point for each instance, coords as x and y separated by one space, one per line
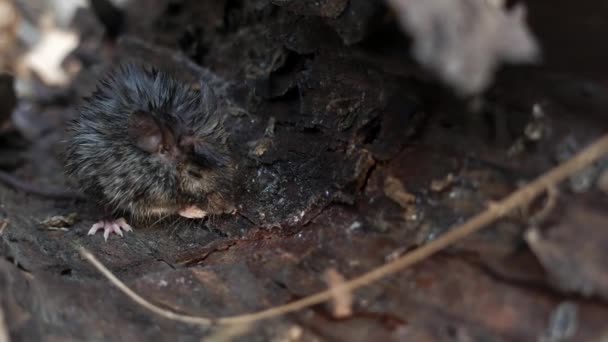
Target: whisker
162 217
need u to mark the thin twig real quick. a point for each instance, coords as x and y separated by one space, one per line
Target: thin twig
499 209
137 298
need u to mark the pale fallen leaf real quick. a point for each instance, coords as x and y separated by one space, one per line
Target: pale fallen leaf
46 56
464 41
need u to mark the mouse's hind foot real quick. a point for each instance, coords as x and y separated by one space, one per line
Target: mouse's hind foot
116 226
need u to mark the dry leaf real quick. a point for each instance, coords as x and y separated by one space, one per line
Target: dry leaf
59 222
463 41
47 55
394 189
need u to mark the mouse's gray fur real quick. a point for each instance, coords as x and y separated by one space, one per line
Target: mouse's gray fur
150 145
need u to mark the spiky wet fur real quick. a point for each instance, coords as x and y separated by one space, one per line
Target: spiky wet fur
103 158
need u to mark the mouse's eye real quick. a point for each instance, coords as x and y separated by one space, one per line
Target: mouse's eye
207 157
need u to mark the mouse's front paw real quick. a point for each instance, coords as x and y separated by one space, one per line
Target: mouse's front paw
192 212
111 226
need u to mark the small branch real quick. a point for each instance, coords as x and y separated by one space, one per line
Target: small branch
499 209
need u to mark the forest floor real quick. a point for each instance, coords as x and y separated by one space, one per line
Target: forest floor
352 157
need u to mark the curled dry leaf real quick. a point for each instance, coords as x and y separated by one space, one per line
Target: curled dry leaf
342 300
463 41
59 222
396 191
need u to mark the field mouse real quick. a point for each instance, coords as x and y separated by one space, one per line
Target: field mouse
150 146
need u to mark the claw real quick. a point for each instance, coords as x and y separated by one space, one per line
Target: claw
111 226
116 229
96 227
122 223
106 233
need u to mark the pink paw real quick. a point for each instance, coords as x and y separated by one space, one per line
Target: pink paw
111 226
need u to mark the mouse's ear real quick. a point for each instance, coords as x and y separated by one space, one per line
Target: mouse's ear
145 131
